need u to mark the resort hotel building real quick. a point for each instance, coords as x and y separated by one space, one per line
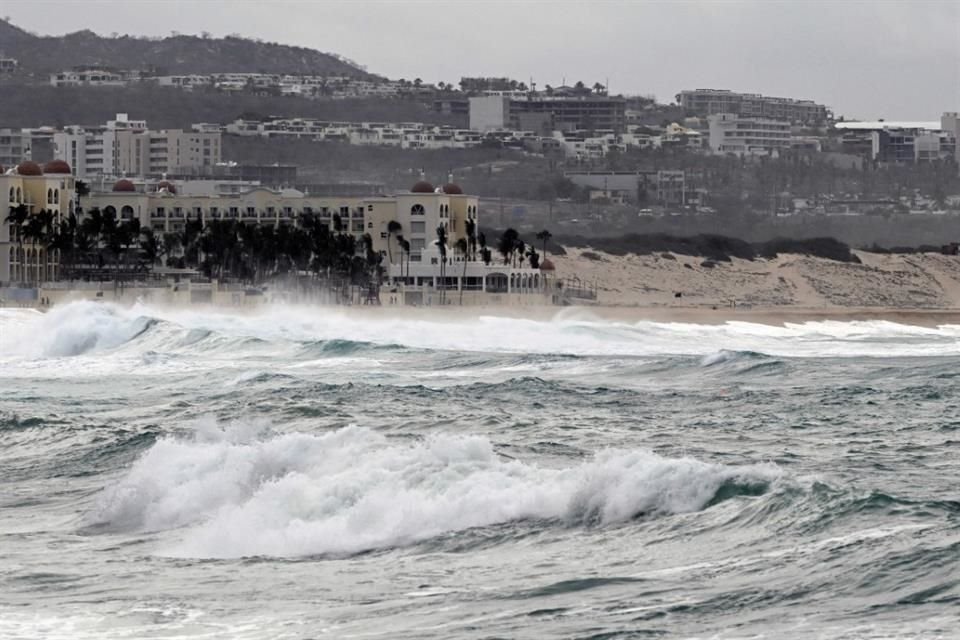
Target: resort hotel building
29 190
415 216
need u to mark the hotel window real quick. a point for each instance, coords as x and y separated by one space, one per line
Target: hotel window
417 210
161 212
418 227
271 211
234 212
177 212
198 211
213 212
344 212
252 212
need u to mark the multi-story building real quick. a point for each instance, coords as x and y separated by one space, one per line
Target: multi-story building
543 113
14 147
707 102
8 65
416 215
88 77
32 189
128 147
902 142
730 133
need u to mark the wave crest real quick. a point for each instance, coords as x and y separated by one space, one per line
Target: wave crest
353 490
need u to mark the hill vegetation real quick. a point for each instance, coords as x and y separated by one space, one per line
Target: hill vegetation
177 54
168 107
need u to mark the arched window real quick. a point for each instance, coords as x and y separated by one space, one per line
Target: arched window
417 210
70 206
110 211
56 196
19 195
49 196
12 194
126 212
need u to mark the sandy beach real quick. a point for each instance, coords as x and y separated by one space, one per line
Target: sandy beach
910 288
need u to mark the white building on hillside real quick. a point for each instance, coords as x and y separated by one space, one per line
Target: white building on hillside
125 147
738 135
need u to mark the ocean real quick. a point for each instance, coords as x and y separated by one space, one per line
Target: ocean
321 473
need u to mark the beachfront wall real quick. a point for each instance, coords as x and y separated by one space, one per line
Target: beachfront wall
459 273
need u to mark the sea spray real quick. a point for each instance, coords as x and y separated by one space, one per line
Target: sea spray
80 327
354 489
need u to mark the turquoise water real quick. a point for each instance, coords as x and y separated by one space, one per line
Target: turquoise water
306 473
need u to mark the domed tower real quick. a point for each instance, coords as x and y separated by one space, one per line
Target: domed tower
28 168
57 167
422 186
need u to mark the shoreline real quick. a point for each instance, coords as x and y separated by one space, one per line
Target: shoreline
687 314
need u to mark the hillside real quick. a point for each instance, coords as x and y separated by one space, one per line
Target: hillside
42 55
33 105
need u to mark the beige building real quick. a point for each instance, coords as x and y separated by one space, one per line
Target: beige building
125 147
48 188
421 274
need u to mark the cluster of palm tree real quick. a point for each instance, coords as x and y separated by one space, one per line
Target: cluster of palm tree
98 245
514 250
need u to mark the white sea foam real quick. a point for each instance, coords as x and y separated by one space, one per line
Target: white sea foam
90 328
349 490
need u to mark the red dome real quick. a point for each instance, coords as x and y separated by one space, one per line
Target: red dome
169 186
57 167
29 169
547 265
452 189
124 186
422 187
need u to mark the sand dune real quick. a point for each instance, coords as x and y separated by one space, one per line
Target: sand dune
917 281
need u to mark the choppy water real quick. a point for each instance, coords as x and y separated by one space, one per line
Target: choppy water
309 473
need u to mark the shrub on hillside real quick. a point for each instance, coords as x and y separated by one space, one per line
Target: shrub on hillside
828 248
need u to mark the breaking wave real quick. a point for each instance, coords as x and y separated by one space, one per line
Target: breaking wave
84 328
240 494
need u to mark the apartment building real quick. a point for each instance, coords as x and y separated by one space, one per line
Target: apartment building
542 113
128 147
87 77
707 102
897 142
14 147
730 133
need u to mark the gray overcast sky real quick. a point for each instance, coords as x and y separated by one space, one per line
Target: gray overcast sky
882 59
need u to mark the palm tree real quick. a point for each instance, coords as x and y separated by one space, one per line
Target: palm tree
462 247
83 190
472 237
405 246
544 236
16 218
393 227
484 252
507 244
521 250
442 246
